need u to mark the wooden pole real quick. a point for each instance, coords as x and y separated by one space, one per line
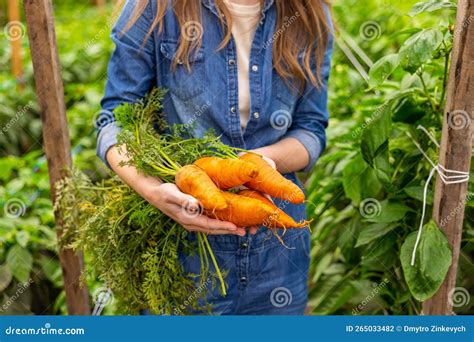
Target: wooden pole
16 33
455 150
100 5
50 93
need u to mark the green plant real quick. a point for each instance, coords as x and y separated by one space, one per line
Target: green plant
367 191
132 246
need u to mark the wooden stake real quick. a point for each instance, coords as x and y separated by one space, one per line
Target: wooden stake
100 5
455 150
16 33
49 89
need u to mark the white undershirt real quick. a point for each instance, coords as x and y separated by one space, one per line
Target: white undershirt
245 20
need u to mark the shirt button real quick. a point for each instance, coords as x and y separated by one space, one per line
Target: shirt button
243 279
233 110
254 68
244 245
256 115
231 61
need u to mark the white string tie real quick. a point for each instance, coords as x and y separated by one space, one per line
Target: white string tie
447 176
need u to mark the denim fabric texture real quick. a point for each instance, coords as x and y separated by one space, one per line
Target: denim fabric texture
207 98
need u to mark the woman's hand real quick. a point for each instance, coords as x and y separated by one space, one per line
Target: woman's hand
182 208
185 210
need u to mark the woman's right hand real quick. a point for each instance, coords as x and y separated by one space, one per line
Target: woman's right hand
179 206
185 210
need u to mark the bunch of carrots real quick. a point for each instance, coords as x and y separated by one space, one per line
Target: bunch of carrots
208 179
131 245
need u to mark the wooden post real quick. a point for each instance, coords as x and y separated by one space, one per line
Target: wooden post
49 89
455 150
100 5
16 28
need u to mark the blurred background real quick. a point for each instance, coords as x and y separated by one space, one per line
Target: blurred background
355 269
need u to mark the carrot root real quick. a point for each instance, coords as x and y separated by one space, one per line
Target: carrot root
242 211
193 181
227 173
271 182
278 219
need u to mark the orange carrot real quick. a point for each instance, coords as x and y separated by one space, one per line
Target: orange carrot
242 211
227 173
272 182
193 181
279 219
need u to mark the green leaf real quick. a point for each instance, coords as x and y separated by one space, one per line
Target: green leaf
382 69
375 137
22 237
335 297
390 211
359 180
380 254
408 111
416 192
433 259
51 269
5 276
348 238
431 6
20 262
419 48
7 165
373 231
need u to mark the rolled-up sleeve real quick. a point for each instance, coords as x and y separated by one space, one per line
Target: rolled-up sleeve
311 114
130 74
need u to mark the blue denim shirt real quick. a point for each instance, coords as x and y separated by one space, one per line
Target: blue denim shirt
207 97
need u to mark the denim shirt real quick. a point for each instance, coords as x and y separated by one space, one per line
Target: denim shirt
207 97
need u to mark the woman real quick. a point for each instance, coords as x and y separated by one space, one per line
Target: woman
256 72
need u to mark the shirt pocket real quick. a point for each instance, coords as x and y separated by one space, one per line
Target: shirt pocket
284 91
185 84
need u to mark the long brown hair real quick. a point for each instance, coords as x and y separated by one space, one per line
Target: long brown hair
302 29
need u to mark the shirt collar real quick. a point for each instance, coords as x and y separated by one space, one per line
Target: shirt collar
212 6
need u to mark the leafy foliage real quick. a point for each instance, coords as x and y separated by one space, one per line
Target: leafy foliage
366 190
133 247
